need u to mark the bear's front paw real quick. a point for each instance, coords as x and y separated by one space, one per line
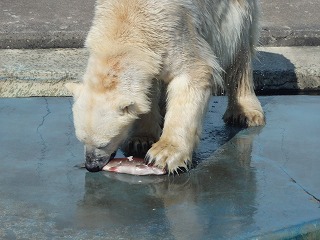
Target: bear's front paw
166 155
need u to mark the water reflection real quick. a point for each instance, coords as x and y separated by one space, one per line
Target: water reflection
216 199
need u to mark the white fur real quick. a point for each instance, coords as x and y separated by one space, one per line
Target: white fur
194 47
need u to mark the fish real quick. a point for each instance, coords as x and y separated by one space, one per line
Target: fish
132 165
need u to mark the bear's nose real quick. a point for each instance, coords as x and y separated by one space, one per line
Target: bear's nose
95 164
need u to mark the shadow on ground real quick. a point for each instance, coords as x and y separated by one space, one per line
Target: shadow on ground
274 72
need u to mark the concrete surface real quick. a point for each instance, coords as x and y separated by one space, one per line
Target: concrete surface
290 23
43 72
65 23
258 183
44 23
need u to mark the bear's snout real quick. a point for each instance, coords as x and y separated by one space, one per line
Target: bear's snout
96 163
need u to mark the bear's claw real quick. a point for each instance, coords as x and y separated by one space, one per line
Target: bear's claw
169 157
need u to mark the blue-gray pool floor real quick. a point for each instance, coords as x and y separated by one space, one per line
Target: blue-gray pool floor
260 183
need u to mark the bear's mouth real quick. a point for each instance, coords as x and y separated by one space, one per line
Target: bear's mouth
96 164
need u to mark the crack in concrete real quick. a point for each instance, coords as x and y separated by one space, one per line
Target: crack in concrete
44 146
46 115
286 160
305 190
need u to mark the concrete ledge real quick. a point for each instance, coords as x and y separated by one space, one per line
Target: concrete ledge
287 68
38 40
43 72
40 72
270 37
278 37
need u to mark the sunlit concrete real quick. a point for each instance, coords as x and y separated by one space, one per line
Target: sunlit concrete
44 72
65 23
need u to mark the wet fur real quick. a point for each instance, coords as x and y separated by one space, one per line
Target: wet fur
193 47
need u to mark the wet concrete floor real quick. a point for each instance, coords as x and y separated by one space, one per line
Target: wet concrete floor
260 183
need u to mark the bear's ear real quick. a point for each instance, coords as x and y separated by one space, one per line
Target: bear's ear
127 107
74 88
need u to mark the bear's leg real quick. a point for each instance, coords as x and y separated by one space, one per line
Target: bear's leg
187 98
146 130
244 109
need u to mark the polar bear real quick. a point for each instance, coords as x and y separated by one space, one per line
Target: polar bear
188 48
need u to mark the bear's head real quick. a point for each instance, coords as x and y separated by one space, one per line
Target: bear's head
102 121
113 94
